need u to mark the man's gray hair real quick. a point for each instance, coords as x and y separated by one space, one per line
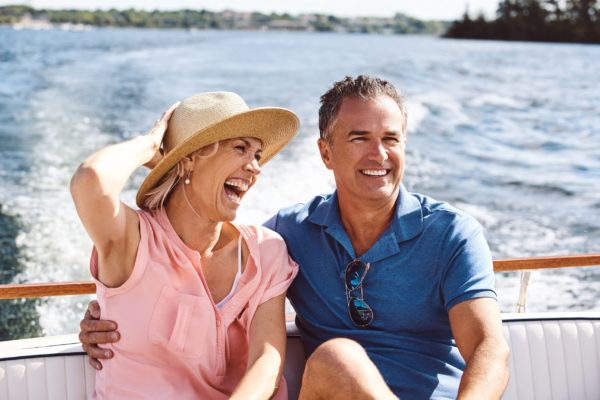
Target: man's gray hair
363 87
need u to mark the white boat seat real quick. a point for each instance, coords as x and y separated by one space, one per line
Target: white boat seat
553 356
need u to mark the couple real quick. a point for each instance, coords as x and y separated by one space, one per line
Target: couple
393 294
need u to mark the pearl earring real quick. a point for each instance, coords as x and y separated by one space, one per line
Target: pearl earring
187 177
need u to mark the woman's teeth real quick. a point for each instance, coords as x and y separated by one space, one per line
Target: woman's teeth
238 184
234 188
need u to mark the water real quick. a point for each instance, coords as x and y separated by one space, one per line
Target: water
509 132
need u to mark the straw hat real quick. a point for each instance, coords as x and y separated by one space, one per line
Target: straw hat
207 118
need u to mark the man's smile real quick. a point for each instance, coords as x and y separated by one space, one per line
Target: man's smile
375 172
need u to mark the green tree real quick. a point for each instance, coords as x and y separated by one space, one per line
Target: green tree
546 20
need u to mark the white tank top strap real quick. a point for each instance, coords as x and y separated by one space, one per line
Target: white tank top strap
239 271
236 280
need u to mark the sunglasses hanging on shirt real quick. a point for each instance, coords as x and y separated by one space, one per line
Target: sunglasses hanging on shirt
360 312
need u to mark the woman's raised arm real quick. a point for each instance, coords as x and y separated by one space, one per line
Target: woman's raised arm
96 186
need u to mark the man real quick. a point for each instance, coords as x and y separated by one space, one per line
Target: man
387 278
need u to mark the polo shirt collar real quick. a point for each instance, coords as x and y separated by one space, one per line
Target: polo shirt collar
409 216
407 224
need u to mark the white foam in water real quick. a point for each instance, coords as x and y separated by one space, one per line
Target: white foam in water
54 244
491 99
417 112
444 105
485 216
283 182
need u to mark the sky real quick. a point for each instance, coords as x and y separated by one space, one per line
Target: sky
422 9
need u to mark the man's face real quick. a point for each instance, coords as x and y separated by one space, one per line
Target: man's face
366 149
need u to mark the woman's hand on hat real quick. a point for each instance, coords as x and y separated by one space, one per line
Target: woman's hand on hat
156 134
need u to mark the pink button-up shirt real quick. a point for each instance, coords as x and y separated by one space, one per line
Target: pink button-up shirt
175 344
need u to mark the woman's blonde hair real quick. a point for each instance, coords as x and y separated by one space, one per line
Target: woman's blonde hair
156 197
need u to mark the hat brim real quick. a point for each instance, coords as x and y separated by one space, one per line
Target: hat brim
273 126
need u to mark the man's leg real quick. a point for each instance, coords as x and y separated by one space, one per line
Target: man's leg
341 369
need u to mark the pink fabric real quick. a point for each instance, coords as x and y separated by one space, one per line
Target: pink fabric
174 342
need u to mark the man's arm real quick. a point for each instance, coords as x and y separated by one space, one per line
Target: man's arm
95 331
477 328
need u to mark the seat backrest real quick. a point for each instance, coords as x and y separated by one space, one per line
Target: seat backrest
55 368
50 368
553 356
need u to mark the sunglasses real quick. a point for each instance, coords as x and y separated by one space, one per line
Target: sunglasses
360 312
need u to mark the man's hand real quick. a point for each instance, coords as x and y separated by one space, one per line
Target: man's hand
94 331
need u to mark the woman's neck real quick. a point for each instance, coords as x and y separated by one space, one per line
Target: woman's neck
197 231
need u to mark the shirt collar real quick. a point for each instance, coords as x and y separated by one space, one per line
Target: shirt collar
409 216
407 224
327 212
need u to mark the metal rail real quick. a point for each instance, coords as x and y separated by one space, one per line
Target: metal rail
29 290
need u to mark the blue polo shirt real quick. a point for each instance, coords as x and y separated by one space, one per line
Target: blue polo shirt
431 257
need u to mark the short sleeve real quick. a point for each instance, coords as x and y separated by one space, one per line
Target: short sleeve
271 223
278 267
469 272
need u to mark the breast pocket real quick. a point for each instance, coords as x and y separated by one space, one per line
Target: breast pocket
183 323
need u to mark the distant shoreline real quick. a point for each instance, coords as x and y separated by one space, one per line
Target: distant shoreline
23 17
517 20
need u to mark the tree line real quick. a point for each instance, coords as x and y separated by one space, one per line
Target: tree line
204 19
575 21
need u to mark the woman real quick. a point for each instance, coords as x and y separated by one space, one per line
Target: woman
199 300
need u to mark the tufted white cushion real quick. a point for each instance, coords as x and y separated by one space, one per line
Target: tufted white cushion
51 368
55 368
553 356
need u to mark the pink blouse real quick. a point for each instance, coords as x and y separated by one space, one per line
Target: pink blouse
175 343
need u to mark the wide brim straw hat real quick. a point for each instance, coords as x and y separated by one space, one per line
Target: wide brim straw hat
207 118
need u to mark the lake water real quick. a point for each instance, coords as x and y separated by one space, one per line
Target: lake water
509 132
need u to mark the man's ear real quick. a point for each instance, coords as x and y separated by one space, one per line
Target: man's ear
325 150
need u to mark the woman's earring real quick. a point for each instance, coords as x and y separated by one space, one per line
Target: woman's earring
187 177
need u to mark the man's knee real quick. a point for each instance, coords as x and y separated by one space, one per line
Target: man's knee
341 369
338 355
